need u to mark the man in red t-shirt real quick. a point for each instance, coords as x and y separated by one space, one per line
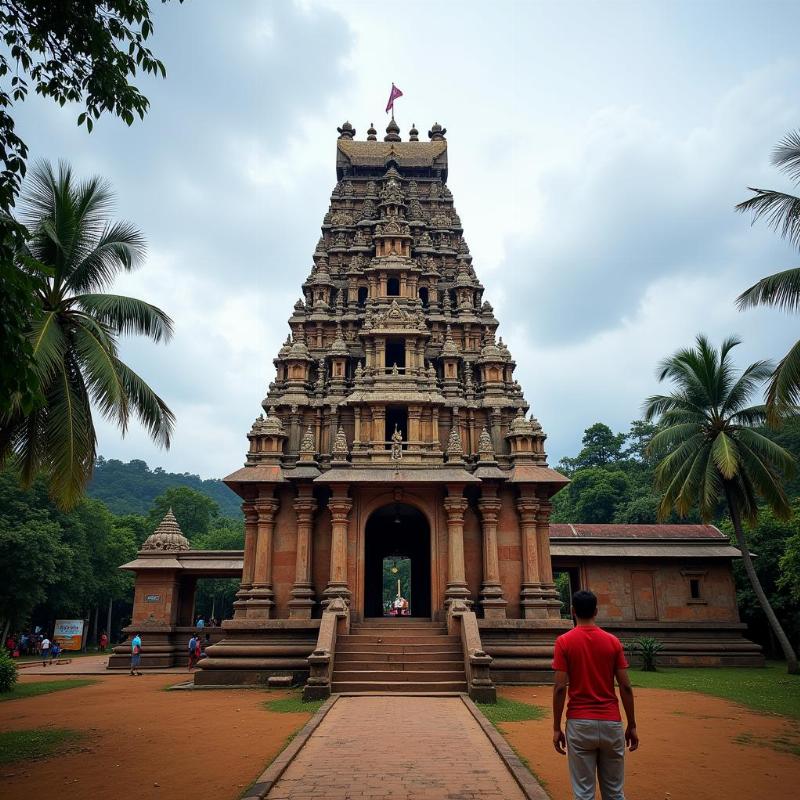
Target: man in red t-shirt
586 661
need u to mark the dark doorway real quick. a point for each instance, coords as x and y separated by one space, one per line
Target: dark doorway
568 581
362 295
395 352
397 416
397 531
393 287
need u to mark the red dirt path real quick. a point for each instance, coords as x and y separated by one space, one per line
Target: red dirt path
210 743
688 749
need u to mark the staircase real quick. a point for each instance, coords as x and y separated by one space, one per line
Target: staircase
398 655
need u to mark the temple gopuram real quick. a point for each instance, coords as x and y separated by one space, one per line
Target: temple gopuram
394 433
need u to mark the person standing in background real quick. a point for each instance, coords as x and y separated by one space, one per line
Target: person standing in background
136 654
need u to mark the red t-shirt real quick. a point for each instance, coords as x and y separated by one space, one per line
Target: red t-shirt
590 656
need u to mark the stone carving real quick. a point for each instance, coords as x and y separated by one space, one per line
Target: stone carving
397 444
340 448
485 446
455 449
307 442
167 536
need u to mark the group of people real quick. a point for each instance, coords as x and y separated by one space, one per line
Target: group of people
38 643
195 649
24 644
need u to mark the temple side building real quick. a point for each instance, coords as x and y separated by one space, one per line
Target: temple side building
394 429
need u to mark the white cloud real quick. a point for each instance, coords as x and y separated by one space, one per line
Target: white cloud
595 158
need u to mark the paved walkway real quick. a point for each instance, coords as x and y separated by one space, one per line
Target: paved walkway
88 665
399 748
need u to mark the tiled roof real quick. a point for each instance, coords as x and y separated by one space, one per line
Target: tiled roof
405 153
647 532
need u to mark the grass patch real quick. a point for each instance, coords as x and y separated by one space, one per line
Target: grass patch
37 743
780 744
769 689
23 690
293 705
505 710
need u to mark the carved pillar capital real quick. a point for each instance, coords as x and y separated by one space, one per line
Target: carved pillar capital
455 507
266 508
527 508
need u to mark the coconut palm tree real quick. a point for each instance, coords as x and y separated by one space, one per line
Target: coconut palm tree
709 452
74 253
782 213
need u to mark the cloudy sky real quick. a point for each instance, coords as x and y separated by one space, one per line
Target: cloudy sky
596 152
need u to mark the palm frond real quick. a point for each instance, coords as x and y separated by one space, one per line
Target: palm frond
97 355
152 411
725 455
120 247
740 391
786 155
768 450
779 210
783 391
70 448
781 290
710 490
766 481
749 417
671 436
48 344
127 315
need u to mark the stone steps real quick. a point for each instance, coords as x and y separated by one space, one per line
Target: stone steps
374 664
400 638
398 655
399 686
406 656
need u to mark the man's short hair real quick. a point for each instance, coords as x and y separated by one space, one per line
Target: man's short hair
585 604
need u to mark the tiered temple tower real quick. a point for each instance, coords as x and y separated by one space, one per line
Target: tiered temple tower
394 427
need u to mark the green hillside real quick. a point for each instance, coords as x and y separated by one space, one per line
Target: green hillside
130 488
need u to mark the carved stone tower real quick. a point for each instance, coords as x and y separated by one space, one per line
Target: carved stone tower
394 428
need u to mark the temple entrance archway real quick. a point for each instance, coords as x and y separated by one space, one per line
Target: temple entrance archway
396 532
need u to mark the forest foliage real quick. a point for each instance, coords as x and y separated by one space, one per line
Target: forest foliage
65 564
612 482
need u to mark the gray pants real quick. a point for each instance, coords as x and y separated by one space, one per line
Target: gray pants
596 747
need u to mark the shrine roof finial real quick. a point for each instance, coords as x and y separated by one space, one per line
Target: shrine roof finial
413 134
437 132
347 131
167 536
392 132
372 134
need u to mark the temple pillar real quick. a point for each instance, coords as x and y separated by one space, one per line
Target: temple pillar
492 601
302 601
455 504
261 601
414 416
531 601
549 592
250 535
339 505
379 427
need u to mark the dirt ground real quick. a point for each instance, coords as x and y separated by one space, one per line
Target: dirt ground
693 747
144 742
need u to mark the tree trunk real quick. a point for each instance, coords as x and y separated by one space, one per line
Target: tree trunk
95 633
792 666
6 626
108 618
